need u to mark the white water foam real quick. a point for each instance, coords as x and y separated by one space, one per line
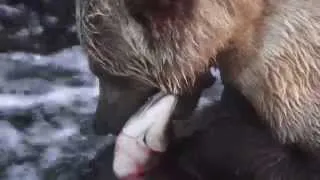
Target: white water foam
27 153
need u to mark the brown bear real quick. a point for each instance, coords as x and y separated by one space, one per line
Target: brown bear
269 50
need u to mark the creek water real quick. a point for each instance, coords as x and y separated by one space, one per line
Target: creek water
46 107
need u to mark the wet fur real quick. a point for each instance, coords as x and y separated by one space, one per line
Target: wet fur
268 49
172 48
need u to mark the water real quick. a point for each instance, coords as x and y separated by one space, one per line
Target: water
46 107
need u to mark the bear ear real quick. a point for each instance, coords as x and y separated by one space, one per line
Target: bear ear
161 8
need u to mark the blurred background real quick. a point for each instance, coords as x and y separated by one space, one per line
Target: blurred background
47 93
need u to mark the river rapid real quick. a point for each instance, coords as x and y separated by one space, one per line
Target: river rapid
46 106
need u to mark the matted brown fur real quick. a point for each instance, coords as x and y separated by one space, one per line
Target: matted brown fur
268 49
